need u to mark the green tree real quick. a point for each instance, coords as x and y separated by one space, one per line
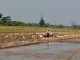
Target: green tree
1 15
42 22
6 18
60 26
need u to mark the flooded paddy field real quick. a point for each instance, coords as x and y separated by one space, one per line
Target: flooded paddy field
65 45
45 51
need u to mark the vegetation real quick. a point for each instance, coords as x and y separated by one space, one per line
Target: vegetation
12 36
29 29
42 22
16 33
7 21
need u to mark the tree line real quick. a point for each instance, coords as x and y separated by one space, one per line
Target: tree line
7 21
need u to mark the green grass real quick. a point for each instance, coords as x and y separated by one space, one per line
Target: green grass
28 29
21 29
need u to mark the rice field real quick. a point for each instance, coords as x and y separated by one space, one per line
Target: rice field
23 35
28 29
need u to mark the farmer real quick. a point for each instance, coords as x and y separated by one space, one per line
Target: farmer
48 33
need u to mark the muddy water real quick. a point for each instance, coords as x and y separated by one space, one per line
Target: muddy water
51 51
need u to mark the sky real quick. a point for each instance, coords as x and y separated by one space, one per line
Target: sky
54 11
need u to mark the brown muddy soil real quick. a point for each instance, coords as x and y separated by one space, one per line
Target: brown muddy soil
8 40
